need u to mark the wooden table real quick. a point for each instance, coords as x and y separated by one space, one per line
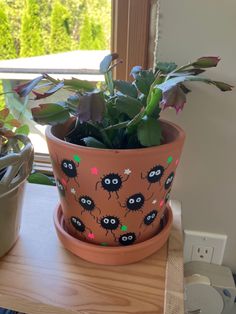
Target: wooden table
40 276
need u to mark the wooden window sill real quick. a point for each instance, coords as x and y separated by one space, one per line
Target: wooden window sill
40 276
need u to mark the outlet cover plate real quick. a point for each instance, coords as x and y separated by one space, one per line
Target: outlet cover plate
193 239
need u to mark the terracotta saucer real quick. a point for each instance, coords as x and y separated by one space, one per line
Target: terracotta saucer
113 255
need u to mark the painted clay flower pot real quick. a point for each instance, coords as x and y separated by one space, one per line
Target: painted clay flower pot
14 170
114 197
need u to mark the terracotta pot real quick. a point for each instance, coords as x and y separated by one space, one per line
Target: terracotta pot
14 169
113 255
114 197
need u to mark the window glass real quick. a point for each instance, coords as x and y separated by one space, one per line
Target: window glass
64 37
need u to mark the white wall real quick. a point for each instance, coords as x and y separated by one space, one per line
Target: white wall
206 180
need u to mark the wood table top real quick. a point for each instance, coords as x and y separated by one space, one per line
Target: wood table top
40 276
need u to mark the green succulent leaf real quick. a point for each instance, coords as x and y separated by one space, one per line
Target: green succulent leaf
79 85
206 62
106 62
176 80
126 88
40 178
149 132
128 105
166 67
50 113
93 142
91 107
24 129
144 80
25 89
49 92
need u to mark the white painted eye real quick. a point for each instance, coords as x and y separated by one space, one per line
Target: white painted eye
148 217
106 221
70 166
78 223
113 221
124 238
153 216
64 164
152 174
83 200
158 172
130 237
107 181
89 202
138 199
74 219
131 201
115 181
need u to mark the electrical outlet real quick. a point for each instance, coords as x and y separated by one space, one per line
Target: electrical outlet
203 246
202 253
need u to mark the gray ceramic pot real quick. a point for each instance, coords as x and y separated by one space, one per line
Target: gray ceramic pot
14 170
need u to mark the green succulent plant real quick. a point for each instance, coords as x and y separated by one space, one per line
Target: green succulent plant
9 127
120 114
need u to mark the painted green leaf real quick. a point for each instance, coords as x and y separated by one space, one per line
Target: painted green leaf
40 178
128 105
50 114
149 132
126 88
93 142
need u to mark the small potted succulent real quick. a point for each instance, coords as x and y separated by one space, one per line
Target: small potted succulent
114 159
16 158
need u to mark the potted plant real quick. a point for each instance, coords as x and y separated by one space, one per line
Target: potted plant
16 158
114 159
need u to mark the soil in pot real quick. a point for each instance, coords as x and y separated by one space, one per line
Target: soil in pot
114 197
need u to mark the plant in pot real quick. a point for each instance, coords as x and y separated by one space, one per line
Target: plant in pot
114 159
16 158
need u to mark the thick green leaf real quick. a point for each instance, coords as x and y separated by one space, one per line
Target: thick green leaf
25 89
144 80
79 85
106 62
128 105
126 88
50 114
176 80
166 67
91 107
93 142
40 178
149 132
24 129
206 62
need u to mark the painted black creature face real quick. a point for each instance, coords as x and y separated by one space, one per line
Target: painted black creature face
69 168
86 202
127 239
110 222
169 180
167 196
111 182
78 224
135 201
155 174
60 187
149 218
